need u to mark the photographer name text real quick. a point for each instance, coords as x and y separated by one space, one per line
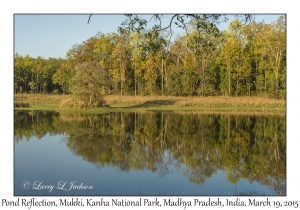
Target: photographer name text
61 185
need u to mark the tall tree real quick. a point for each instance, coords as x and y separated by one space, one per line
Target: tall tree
63 76
120 55
235 61
88 84
103 48
275 39
137 62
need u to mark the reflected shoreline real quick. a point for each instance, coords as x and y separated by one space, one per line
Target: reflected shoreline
252 147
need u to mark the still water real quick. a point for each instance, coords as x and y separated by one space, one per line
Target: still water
149 153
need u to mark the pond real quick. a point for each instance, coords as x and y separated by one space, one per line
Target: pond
149 153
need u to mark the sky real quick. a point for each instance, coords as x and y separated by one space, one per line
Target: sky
53 35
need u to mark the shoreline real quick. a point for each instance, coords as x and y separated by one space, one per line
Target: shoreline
219 104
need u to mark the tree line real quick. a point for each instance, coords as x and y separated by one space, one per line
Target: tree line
243 60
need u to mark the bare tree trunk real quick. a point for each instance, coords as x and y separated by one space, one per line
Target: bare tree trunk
134 83
229 83
162 78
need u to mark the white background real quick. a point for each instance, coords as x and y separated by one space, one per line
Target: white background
8 8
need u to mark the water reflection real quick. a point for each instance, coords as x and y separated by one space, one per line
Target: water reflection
241 146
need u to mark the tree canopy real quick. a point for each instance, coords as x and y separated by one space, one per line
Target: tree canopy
243 60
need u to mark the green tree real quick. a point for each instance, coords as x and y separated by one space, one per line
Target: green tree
63 76
22 72
120 55
38 74
200 21
275 39
150 75
88 84
137 62
203 46
104 48
236 61
175 73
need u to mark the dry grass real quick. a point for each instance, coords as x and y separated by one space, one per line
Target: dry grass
218 101
71 103
21 104
41 97
38 101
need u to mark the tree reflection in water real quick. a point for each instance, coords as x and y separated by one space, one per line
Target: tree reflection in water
242 146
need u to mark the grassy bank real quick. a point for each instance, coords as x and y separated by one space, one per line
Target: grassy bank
143 103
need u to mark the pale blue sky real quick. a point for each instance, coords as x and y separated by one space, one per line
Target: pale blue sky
53 35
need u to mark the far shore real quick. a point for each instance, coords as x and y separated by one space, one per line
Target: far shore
114 103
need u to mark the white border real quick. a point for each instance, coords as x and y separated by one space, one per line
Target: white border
8 8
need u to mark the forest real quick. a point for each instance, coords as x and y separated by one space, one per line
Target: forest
243 60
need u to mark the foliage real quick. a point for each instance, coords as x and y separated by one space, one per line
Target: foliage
243 60
88 84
